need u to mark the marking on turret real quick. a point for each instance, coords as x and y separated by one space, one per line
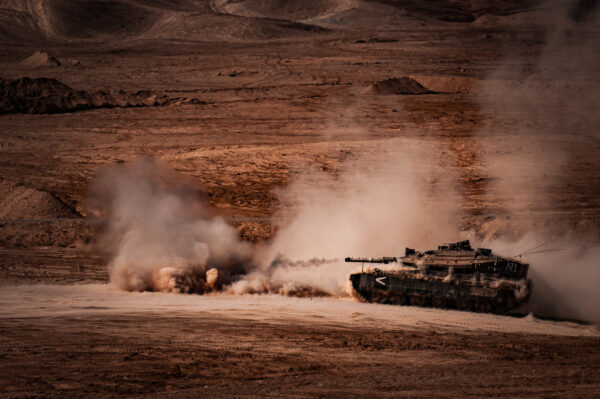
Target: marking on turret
379 280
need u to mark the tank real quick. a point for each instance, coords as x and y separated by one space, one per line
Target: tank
453 276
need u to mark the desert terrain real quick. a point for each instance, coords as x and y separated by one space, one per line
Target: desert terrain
145 142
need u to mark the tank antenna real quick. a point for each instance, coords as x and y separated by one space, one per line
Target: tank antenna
534 248
546 250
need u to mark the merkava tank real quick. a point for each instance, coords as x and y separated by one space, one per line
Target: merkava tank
453 276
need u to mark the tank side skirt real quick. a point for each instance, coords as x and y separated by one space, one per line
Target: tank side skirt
384 287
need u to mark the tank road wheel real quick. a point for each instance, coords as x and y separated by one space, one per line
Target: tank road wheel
380 298
483 306
417 300
438 301
362 297
509 303
399 299
463 303
497 304
375 297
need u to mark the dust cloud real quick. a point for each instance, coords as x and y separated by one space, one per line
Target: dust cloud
543 124
162 236
542 119
566 283
161 233
377 206
564 272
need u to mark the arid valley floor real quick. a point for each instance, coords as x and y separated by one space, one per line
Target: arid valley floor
311 130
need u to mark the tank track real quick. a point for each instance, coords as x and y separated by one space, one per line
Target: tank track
440 302
502 302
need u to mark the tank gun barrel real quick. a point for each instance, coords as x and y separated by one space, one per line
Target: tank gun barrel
385 260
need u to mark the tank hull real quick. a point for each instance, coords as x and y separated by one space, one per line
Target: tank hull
413 288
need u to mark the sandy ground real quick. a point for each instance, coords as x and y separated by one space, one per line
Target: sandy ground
281 90
30 301
91 339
